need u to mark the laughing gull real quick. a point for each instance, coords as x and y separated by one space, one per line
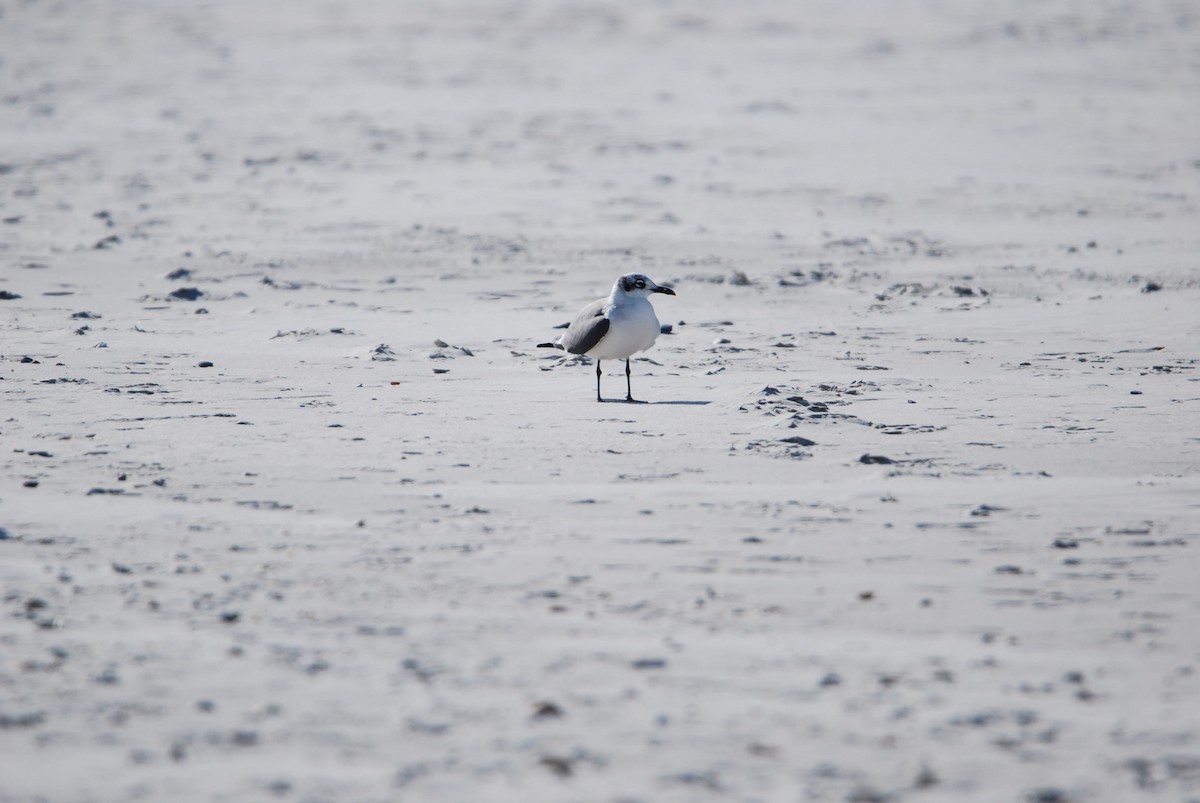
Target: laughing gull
616 327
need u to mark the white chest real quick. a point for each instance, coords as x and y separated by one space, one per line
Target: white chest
632 327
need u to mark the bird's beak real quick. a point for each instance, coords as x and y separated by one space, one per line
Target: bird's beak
664 289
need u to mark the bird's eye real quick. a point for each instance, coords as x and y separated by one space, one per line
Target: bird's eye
640 283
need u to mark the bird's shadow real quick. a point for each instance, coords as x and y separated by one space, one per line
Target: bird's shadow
640 401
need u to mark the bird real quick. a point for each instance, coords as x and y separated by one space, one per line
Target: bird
615 327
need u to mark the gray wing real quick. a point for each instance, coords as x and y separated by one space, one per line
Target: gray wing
589 328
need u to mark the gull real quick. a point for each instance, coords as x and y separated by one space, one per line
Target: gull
616 327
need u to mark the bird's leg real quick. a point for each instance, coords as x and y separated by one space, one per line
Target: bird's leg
628 386
598 382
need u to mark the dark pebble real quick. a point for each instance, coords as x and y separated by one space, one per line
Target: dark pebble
179 273
1151 287
27 720
546 710
796 439
186 293
108 677
559 766
244 738
230 616
1009 569
649 663
876 459
121 568
7 296
206 364
1065 543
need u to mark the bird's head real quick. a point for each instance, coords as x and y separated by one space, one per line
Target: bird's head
636 284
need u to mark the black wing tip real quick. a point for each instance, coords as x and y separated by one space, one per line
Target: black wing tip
549 345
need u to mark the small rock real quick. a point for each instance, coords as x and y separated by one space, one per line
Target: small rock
875 459
205 364
244 738
546 710
108 677
30 719
559 766
925 778
649 663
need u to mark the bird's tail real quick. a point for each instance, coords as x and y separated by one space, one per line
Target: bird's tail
549 345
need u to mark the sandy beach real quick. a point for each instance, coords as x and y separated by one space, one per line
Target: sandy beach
292 507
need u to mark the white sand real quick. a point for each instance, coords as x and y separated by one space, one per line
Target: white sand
962 236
